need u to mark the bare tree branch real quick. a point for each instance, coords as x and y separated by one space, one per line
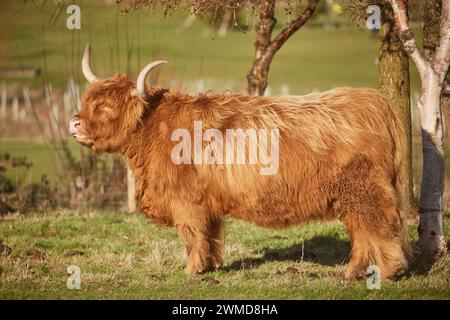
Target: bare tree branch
443 51
267 23
284 35
257 78
407 37
266 48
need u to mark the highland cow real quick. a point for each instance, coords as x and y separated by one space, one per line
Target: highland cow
340 156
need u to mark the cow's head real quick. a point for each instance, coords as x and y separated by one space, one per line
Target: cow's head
111 108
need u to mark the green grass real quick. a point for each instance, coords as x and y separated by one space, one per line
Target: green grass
125 256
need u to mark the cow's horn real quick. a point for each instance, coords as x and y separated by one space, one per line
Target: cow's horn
140 83
86 65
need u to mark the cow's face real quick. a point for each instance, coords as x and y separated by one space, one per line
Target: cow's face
111 109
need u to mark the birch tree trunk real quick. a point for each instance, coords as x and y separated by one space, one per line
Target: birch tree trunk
266 48
393 66
432 73
431 34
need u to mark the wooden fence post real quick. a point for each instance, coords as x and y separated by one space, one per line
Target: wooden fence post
4 100
67 106
26 98
131 191
15 108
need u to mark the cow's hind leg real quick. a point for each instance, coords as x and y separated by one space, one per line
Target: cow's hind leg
371 215
379 244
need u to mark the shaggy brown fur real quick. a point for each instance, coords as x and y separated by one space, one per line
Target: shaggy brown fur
340 157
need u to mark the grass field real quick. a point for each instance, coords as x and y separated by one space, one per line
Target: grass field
125 256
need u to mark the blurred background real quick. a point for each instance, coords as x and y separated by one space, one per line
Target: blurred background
41 82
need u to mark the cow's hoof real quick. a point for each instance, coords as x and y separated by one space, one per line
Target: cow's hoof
194 270
352 274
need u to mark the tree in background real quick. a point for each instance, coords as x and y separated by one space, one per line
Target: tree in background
394 78
432 64
431 34
393 67
265 46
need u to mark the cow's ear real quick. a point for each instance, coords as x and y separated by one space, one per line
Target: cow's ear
133 112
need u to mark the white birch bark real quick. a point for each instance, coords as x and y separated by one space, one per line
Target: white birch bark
432 73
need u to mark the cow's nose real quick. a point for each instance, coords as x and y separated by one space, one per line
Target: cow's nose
74 125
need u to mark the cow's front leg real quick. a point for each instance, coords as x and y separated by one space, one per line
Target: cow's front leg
197 249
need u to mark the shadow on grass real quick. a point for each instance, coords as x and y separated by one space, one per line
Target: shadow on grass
324 250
